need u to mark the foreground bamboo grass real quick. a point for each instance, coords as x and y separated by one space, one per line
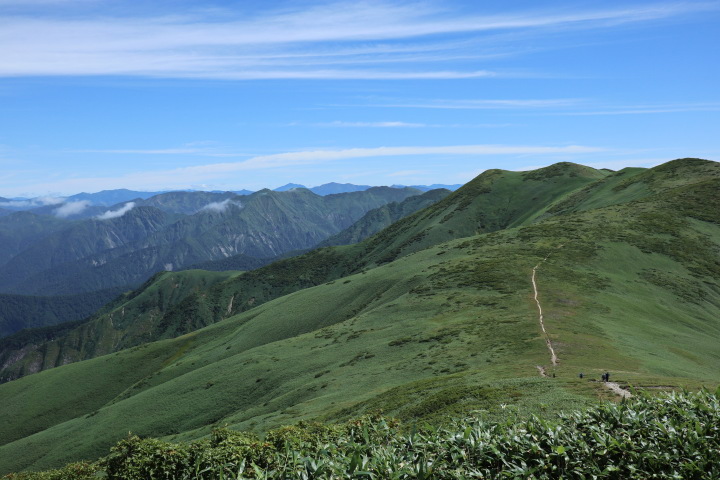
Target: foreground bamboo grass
673 435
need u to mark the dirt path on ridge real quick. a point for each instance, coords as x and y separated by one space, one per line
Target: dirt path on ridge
615 387
553 356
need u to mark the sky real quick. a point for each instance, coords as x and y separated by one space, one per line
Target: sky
230 95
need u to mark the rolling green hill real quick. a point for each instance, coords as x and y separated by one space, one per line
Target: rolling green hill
433 317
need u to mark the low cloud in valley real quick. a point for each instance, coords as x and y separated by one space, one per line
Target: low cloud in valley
117 213
71 208
219 206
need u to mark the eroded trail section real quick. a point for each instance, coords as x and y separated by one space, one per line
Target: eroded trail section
553 356
618 389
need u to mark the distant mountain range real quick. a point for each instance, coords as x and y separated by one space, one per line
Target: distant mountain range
332 188
86 205
103 248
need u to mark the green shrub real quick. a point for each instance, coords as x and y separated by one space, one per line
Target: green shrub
674 435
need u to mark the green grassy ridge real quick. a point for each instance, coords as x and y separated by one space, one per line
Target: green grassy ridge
132 319
667 436
234 262
493 201
422 229
472 297
488 190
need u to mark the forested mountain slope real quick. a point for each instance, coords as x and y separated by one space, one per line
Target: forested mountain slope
382 217
628 278
18 312
93 254
131 319
27 272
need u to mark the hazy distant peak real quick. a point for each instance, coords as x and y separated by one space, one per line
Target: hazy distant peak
289 186
334 187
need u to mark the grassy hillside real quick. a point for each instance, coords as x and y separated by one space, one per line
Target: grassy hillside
629 286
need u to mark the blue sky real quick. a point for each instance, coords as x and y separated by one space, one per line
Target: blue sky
102 94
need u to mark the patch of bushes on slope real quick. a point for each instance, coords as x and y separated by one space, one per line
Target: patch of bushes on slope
675 435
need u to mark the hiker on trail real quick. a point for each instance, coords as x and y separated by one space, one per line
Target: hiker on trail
581 375
607 376
603 377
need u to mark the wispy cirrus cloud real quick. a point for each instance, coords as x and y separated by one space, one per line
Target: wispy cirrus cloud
140 151
329 40
33 202
396 124
342 124
559 106
480 104
648 109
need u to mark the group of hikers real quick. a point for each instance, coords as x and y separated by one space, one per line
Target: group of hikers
605 376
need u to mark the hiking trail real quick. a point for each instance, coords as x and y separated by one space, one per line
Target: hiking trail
617 389
553 356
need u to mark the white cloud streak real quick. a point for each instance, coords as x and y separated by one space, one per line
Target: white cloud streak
395 124
33 202
71 208
649 109
157 151
567 106
372 124
482 104
320 156
110 214
220 207
265 45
